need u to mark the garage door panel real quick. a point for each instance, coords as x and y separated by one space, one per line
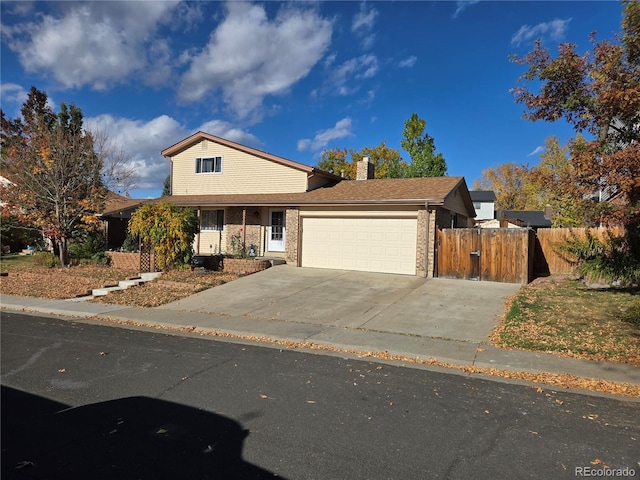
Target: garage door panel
368 244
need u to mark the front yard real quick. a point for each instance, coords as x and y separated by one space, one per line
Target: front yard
24 278
563 316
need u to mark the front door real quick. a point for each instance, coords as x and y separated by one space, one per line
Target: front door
276 231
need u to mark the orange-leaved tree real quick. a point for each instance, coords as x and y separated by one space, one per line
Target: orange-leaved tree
598 93
55 174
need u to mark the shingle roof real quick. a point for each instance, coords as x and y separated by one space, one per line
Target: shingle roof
482 196
409 191
530 218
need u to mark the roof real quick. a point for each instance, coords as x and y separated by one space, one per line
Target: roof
482 196
529 218
199 136
408 191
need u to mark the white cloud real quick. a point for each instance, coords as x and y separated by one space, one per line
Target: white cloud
359 68
408 62
93 43
12 93
555 29
363 23
538 149
250 57
461 6
142 141
341 129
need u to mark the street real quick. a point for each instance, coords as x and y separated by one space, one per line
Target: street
153 405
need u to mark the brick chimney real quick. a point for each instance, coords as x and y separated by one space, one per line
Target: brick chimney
365 170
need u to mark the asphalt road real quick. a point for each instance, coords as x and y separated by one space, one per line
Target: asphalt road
152 406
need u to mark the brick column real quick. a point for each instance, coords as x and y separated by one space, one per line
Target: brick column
292 235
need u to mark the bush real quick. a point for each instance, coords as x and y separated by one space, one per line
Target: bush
611 259
46 259
131 243
87 245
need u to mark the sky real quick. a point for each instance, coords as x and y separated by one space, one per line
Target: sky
294 78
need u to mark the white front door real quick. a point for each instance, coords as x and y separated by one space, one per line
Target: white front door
276 233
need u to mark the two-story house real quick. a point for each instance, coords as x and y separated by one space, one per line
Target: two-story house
307 216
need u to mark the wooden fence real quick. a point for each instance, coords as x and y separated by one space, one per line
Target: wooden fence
511 255
497 255
548 261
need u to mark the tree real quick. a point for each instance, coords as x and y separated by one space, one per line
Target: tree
599 93
421 148
56 174
510 183
335 161
166 186
387 161
169 229
553 183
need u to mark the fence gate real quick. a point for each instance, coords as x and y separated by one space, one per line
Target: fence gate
491 254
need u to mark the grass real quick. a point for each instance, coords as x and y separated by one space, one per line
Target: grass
27 279
565 317
15 263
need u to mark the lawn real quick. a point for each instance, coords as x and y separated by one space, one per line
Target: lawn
24 278
563 316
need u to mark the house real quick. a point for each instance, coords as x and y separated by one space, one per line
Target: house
309 217
484 204
526 218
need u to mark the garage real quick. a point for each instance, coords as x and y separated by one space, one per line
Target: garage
370 244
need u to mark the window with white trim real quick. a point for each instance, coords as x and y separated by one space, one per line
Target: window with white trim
212 220
209 165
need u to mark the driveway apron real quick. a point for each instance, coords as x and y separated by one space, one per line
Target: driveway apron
438 308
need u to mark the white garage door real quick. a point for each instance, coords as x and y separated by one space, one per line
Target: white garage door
368 244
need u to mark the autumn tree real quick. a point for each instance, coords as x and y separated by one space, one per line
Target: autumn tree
169 229
553 183
55 173
510 183
598 93
388 162
420 146
335 161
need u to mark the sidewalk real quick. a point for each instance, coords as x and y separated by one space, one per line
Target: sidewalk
340 338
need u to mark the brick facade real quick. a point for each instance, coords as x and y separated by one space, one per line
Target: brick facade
253 230
292 220
425 243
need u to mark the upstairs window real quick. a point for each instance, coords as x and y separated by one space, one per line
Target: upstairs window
212 220
209 165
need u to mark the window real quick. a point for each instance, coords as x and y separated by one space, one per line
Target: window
209 165
477 205
212 220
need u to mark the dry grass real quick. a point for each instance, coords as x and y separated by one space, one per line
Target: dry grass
171 286
29 280
565 317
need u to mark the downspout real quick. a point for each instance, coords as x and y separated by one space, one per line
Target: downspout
199 227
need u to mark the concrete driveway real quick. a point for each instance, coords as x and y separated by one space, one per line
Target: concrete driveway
437 308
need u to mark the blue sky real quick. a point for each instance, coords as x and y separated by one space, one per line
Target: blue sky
294 78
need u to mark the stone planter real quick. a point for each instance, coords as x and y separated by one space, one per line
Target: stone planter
244 265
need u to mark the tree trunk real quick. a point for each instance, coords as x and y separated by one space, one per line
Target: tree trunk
62 251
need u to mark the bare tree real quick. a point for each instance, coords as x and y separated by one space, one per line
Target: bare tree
118 174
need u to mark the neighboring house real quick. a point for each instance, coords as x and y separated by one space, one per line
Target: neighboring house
484 202
309 217
525 218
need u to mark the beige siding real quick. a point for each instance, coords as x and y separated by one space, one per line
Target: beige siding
241 173
211 242
365 211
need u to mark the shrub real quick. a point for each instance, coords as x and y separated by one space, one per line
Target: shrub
131 243
87 245
46 259
238 247
610 259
